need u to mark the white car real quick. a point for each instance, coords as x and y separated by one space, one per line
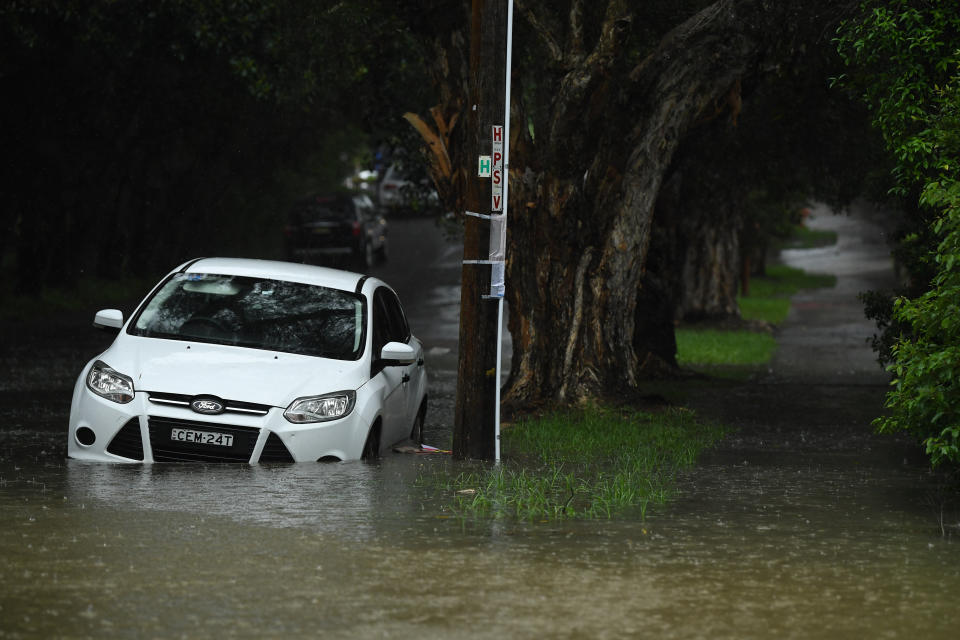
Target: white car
399 191
231 360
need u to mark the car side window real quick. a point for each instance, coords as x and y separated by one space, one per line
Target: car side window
381 325
389 324
399 329
388 314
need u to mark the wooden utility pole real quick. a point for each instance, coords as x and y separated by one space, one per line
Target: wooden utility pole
475 414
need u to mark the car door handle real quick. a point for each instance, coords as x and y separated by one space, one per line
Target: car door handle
406 378
420 362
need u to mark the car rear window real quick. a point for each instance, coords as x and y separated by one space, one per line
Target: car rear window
275 315
322 208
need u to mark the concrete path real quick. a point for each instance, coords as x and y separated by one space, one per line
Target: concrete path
825 337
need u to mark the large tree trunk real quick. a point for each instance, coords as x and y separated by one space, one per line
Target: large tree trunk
698 224
578 255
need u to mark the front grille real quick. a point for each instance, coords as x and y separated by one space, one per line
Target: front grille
167 450
275 451
229 406
127 443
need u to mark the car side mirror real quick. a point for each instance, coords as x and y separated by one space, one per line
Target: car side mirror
110 320
398 353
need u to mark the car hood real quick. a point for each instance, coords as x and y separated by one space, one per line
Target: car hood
231 373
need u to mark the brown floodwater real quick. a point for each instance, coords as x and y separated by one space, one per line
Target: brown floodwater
811 548
802 524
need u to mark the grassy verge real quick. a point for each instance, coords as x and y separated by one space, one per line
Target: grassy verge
720 347
782 280
582 463
768 304
804 238
769 298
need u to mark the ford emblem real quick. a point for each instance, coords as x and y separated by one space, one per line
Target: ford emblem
207 405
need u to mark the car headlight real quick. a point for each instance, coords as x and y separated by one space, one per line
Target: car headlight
330 406
110 384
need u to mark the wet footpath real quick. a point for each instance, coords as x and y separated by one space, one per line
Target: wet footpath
801 524
819 526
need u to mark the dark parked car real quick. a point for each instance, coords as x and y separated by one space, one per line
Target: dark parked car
344 229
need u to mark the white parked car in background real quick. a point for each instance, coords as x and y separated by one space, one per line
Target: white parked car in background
402 189
231 360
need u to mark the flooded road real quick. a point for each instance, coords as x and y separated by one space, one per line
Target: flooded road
817 531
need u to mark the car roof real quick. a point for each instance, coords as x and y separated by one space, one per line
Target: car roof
276 270
324 199
338 198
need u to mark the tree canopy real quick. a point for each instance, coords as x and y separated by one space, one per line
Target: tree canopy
137 134
905 56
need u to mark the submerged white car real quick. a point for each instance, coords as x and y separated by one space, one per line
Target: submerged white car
231 360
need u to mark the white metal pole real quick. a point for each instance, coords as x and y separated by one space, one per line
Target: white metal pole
506 199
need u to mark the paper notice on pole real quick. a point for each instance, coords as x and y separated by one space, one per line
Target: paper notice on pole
498 252
498 286
496 172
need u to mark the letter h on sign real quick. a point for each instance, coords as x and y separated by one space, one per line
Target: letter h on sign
483 168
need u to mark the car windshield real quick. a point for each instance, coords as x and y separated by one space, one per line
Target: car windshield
254 312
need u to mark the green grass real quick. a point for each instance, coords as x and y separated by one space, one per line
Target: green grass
804 238
768 302
769 299
719 347
770 310
582 463
781 280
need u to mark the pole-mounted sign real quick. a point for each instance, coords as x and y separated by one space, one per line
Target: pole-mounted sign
483 167
496 194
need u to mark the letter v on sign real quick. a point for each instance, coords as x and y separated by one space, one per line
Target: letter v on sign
496 194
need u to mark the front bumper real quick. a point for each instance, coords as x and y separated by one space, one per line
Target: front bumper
145 430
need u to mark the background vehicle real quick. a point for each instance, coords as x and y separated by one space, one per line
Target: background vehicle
402 189
338 229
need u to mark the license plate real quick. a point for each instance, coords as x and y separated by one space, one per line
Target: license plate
201 437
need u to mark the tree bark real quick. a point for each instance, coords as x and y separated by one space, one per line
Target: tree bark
698 223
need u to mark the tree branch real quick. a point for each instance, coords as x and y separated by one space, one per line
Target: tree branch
679 35
616 21
576 28
546 35
577 85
